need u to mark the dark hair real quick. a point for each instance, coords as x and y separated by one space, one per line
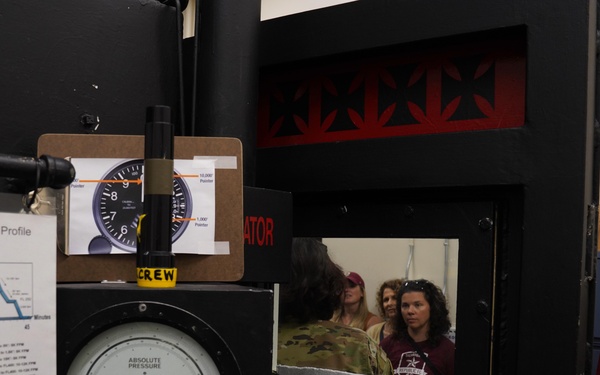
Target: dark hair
394 284
439 322
316 283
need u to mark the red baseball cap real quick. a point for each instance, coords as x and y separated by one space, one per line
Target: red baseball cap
355 278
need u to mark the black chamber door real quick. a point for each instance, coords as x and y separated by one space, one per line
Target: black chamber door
381 214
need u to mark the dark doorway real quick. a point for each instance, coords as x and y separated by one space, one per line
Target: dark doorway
393 214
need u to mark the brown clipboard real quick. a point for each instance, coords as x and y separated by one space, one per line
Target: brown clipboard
190 268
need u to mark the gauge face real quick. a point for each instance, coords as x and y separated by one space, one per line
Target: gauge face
143 348
118 205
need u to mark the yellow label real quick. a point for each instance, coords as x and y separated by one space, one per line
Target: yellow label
156 277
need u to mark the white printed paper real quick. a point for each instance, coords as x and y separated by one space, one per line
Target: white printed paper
27 294
106 201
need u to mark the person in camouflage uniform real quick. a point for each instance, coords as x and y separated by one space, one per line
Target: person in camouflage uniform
331 345
306 336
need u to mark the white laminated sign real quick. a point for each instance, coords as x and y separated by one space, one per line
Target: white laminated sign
27 294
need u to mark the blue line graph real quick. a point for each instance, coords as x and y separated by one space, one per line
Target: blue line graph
16 299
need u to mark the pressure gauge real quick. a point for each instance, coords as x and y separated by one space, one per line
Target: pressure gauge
118 204
142 337
143 348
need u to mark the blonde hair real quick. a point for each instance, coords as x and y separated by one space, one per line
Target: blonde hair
359 320
393 284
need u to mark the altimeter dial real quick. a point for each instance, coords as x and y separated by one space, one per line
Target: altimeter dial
118 204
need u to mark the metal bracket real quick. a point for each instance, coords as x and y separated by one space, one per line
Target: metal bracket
591 242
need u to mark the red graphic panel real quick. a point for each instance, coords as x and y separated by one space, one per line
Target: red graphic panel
457 89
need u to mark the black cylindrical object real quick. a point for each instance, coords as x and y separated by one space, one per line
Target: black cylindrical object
154 232
29 173
227 74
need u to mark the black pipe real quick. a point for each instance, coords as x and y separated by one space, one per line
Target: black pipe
154 231
26 173
226 67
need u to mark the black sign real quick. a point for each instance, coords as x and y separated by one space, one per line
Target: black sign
267 235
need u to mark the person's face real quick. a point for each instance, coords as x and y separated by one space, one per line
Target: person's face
352 293
415 310
389 302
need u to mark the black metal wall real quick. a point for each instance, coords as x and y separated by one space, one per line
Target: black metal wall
540 175
79 66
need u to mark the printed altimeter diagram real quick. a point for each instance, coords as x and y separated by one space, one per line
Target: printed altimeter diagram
16 291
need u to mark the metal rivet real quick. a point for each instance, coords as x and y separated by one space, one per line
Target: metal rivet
486 223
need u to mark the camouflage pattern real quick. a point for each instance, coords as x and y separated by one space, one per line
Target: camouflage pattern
330 345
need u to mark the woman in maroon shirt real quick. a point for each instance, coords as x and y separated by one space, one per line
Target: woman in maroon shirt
419 344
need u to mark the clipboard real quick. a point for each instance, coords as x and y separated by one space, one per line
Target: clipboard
190 268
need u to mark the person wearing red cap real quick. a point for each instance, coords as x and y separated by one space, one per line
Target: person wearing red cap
354 311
